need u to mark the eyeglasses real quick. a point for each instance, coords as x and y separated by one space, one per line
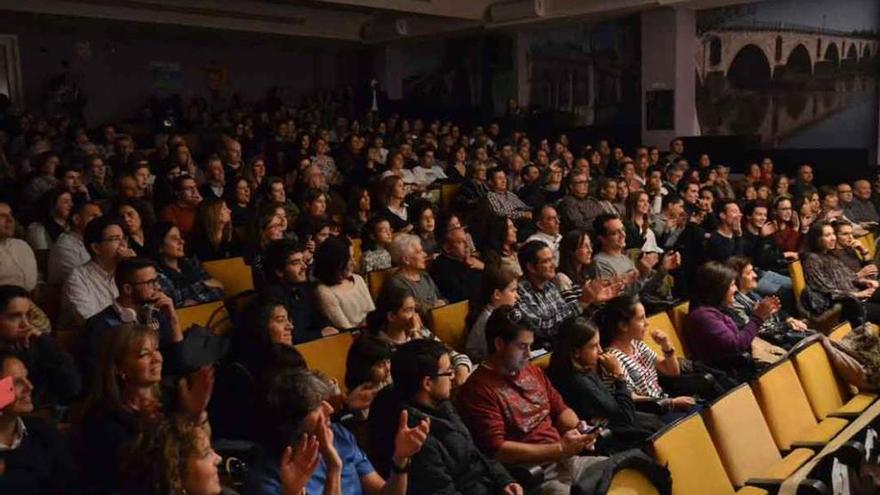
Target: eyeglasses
153 282
115 238
447 373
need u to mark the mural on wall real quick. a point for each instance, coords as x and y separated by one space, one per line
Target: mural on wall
797 73
590 71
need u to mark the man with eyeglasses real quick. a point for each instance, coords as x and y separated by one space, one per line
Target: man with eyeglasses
140 300
856 201
515 414
577 209
449 461
90 287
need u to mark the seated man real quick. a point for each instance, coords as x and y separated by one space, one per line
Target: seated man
548 230
503 202
578 209
514 413
18 265
758 243
140 300
456 271
182 213
288 282
449 461
69 251
90 287
296 408
34 457
612 262
51 368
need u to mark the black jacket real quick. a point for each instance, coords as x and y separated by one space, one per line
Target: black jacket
455 280
41 465
764 252
449 462
52 371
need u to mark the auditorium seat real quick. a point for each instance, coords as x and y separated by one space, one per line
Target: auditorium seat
357 253
328 355
631 482
744 442
448 324
661 321
823 322
678 314
686 449
788 413
827 395
840 332
447 194
233 273
212 315
376 281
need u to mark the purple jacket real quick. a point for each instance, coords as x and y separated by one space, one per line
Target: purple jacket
711 334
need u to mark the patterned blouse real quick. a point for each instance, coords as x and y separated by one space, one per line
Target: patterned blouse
639 370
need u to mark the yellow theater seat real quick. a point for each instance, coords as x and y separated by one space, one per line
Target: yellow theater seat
840 332
448 324
631 482
827 395
376 281
686 449
788 413
233 273
212 315
661 321
328 355
744 442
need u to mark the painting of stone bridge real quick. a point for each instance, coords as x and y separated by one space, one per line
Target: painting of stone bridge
769 76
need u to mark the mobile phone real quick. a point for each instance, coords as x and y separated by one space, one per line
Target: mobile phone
7 392
586 428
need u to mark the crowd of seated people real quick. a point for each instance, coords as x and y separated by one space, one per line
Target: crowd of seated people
364 229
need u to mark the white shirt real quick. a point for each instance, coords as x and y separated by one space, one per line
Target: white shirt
20 432
87 291
18 266
67 253
427 176
551 241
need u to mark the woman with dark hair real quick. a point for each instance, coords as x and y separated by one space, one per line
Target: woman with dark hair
359 212
182 279
788 230
256 348
368 367
712 335
622 324
134 226
392 197
125 398
638 221
457 169
780 329
241 203
575 260
500 244
576 368
830 281
396 322
497 288
214 238
255 173
314 210
424 216
342 294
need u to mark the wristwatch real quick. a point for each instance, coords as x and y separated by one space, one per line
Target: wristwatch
398 469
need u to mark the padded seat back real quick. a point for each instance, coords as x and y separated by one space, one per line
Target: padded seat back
233 273
212 315
631 482
816 375
328 355
686 449
376 281
448 324
784 404
661 321
741 435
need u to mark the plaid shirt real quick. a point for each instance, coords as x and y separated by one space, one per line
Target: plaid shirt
188 283
508 204
544 309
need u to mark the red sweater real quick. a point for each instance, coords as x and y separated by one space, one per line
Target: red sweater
499 408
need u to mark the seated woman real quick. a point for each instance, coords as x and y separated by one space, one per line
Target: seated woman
575 264
175 457
241 204
314 210
393 207
713 336
213 235
52 216
135 228
126 398
622 325
575 367
255 349
368 368
498 288
424 216
359 213
35 458
182 279
376 255
499 246
269 228
342 294
780 329
396 322
830 281
410 258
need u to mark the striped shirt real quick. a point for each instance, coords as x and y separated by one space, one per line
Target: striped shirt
640 370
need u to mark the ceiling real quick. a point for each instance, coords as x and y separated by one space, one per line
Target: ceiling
356 21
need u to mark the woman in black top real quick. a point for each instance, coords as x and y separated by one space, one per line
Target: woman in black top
574 370
214 237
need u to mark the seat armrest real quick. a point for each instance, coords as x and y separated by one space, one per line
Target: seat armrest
529 476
